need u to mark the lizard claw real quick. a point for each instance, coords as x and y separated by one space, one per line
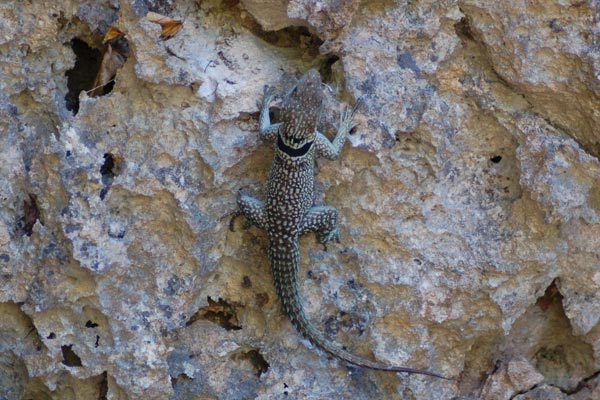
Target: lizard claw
346 120
269 94
357 105
233 215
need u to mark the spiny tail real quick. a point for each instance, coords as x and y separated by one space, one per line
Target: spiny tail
284 268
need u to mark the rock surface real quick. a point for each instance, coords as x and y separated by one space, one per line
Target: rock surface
469 199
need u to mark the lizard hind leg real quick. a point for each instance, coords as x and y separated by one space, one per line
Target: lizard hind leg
253 209
323 221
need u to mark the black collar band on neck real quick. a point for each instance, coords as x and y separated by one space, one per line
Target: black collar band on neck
292 152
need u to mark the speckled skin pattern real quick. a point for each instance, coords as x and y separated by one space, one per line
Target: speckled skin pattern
289 212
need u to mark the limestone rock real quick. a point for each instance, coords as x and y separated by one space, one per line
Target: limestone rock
469 198
516 377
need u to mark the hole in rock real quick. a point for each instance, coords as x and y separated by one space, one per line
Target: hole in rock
82 75
290 37
246 282
255 358
463 29
550 297
31 214
90 324
220 312
180 378
114 57
70 359
109 171
325 68
496 159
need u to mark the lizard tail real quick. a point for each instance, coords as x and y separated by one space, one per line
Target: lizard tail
284 268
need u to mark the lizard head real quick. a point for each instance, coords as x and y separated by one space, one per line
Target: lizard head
301 111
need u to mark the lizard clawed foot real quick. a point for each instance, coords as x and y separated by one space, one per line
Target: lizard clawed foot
346 121
329 236
269 94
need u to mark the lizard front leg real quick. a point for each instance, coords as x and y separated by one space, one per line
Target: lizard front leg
323 221
267 130
252 208
331 150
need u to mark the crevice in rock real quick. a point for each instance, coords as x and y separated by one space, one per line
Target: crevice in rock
325 68
544 335
70 359
298 37
90 324
290 37
521 392
103 386
252 355
108 170
31 214
463 28
82 75
180 378
584 384
551 294
220 312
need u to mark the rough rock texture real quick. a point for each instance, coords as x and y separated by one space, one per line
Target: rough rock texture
469 200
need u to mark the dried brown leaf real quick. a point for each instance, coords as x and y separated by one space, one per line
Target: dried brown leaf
113 59
170 26
111 34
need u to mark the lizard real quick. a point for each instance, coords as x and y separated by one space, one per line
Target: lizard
288 210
